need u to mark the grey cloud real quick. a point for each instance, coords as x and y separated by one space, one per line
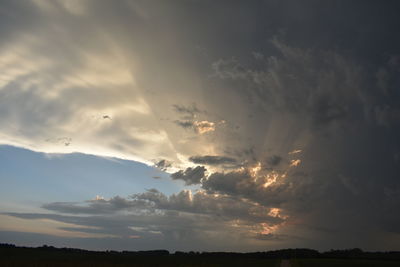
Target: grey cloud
229 69
184 217
154 202
212 160
274 160
320 84
227 183
319 199
172 231
190 175
199 127
163 164
187 110
330 106
243 184
99 206
387 116
184 124
258 55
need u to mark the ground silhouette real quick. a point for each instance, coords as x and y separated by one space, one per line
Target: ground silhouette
11 255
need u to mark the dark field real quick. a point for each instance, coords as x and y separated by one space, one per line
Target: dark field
343 263
39 257
11 255
170 261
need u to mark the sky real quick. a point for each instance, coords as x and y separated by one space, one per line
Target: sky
200 125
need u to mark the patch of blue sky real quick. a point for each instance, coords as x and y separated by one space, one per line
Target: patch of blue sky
31 179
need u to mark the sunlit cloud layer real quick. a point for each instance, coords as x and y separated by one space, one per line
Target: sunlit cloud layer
284 131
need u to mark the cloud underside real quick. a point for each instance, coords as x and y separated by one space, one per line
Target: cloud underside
185 219
295 141
190 175
238 206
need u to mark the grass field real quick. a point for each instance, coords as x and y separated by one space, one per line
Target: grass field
213 263
51 257
148 261
45 256
343 263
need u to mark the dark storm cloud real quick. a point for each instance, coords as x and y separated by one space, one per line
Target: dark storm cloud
322 85
163 164
329 98
319 200
229 69
185 124
274 160
190 175
187 110
227 183
212 160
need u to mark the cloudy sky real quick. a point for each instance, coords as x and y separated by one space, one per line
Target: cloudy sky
200 125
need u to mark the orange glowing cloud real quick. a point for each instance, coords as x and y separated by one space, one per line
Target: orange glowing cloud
204 126
268 229
271 178
295 162
295 151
